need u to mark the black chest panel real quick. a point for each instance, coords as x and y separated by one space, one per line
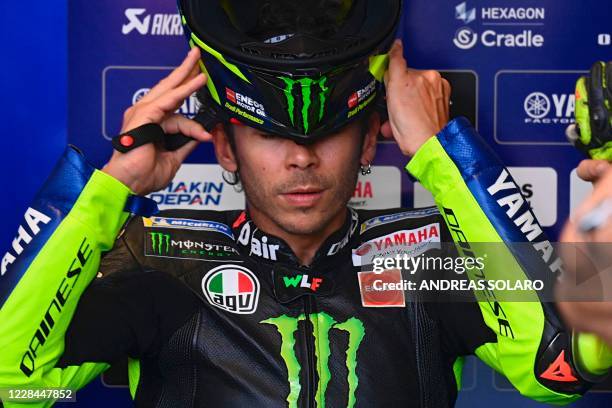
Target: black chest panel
265 332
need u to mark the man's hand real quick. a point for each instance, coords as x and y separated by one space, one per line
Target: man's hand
150 167
417 102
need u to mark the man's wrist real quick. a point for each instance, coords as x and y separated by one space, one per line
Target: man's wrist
123 177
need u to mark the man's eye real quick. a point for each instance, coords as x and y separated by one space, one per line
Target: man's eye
268 136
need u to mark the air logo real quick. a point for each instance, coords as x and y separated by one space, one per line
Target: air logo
160 243
323 325
258 247
311 107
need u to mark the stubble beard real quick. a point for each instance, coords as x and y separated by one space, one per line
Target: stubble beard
262 198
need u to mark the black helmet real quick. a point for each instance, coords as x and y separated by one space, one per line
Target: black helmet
299 69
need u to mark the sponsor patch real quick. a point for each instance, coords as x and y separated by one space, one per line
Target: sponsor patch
232 288
185 223
164 245
369 282
404 242
390 218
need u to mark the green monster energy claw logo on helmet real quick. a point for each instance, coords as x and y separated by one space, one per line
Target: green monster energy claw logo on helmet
322 324
160 243
306 100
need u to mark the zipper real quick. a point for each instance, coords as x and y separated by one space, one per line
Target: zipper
311 380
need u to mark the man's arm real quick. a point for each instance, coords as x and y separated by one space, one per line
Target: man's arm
74 218
482 204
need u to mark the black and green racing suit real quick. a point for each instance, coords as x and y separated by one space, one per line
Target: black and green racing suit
212 311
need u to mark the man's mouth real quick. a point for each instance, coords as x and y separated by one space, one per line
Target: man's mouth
303 196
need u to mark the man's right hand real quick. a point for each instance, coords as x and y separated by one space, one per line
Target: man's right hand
150 167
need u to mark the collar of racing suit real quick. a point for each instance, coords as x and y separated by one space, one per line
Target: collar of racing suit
254 242
274 254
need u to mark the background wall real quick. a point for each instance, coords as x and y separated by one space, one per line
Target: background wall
512 75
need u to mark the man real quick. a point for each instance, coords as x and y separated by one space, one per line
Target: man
269 306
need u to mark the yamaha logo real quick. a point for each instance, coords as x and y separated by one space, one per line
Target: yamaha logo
537 105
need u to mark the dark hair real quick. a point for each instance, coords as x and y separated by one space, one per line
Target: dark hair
320 18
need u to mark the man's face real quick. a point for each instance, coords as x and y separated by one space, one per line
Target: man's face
300 189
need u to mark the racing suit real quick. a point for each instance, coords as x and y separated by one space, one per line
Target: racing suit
212 311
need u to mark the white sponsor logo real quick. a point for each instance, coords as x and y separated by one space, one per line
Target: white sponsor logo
245 102
462 13
378 190
506 18
537 184
604 39
259 247
511 202
465 38
579 190
189 107
513 13
199 186
24 236
151 24
541 108
335 248
404 242
185 223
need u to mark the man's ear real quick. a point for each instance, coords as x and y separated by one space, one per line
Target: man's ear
368 151
223 148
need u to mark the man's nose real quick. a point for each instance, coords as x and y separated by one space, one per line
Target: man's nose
301 156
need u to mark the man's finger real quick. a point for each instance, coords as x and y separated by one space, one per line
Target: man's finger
397 62
188 127
182 152
172 100
447 93
592 170
186 71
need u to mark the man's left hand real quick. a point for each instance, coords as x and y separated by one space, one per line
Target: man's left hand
417 103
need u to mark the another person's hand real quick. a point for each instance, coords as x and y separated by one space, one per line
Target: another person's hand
417 103
150 167
585 294
592 170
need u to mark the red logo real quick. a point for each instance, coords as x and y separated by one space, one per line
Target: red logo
240 220
375 291
126 140
364 249
231 95
353 99
559 370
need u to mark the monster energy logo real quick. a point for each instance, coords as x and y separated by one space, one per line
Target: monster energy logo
160 242
322 324
307 87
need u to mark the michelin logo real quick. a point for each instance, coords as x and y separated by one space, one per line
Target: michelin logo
185 223
151 24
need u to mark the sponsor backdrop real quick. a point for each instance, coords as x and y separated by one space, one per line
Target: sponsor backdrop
512 65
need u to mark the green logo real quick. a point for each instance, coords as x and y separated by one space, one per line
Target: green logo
160 242
322 324
312 108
